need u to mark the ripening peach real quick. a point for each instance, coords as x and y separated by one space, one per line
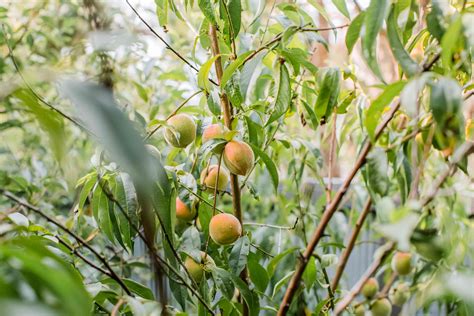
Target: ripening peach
182 130
209 178
401 263
399 294
197 270
224 229
370 288
238 157
214 131
183 211
359 310
381 307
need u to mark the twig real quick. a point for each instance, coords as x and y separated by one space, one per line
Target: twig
326 279
272 226
332 208
173 113
23 203
388 284
386 250
168 46
350 245
117 306
30 88
79 255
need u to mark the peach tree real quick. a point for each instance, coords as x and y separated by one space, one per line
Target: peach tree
234 157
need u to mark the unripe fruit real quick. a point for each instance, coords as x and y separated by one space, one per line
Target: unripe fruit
209 178
182 130
214 131
238 157
381 307
401 263
400 294
197 269
370 288
183 211
224 229
359 310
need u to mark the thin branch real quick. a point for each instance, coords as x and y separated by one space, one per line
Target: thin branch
388 284
30 88
79 255
272 226
350 245
326 279
168 46
117 306
23 203
386 250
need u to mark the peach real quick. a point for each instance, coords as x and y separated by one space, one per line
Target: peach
181 131
359 310
381 307
183 211
209 178
224 229
401 263
238 157
214 131
400 294
197 270
370 288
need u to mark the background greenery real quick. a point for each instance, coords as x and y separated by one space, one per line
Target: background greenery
322 90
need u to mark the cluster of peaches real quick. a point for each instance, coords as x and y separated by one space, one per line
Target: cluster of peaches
238 157
378 303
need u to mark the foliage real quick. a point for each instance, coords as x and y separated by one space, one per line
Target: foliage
319 90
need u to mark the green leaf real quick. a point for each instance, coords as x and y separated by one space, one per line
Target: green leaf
49 121
374 18
283 96
435 20
375 172
409 66
233 66
213 103
353 32
258 275
269 164
342 7
276 260
100 207
86 190
162 11
376 109
238 255
208 10
230 12
203 74
328 93
450 41
34 266
224 282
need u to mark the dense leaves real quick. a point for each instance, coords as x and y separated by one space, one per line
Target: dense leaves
358 154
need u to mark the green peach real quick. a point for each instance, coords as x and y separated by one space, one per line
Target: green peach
399 294
209 178
181 131
214 131
381 307
370 288
401 263
197 269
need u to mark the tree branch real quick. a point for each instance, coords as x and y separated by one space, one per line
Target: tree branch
23 203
